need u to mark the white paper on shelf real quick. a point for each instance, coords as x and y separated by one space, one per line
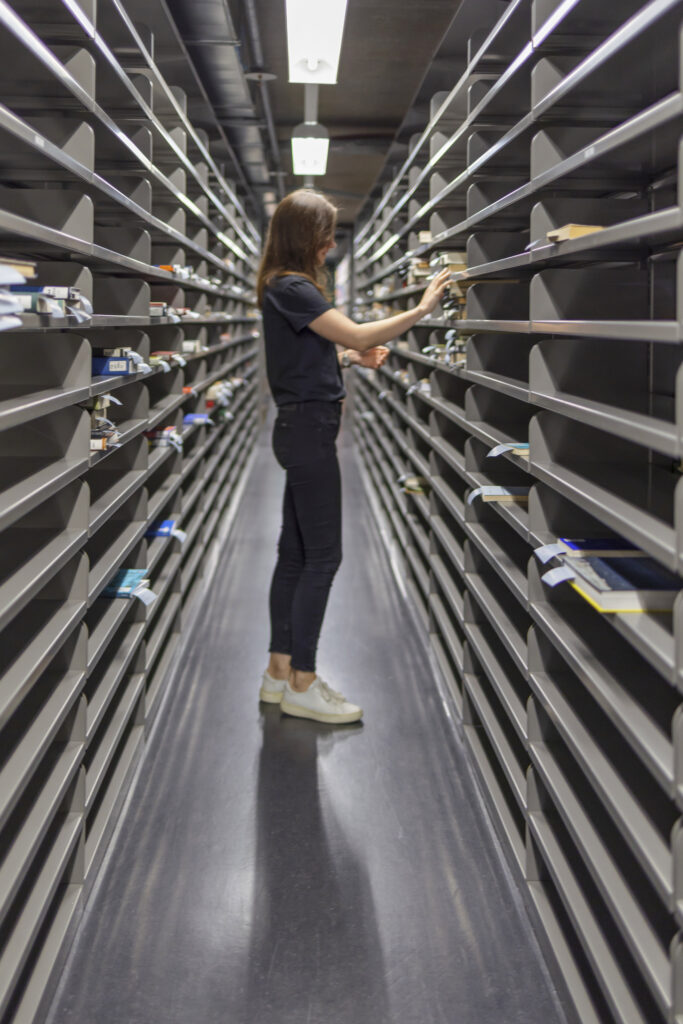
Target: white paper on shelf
548 551
85 304
179 535
144 594
166 367
144 368
115 401
499 449
8 275
135 357
179 360
9 303
52 307
79 314
8 322
559 575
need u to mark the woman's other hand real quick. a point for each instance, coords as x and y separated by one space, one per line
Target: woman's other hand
434 291
374 357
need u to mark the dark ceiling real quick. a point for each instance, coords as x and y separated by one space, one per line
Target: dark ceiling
387 50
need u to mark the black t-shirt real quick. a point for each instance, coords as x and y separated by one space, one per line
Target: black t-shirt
302 366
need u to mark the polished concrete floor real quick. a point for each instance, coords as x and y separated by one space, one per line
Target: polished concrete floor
273 871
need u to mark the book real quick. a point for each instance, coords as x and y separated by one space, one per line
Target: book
157 309
599 547
37 302
124 582
52 291
625 584
567 231
194 345
17 264
162 528
105 366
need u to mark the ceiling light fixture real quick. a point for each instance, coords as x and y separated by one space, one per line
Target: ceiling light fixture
310 145
314 38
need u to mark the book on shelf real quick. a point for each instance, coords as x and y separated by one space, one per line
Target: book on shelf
193 346
13 265
164 437
103 438
519 448
620 584
567 231
130 583
158 309
414 484
599 547
166 528
190 418
167 355
52 291
106 366
490 492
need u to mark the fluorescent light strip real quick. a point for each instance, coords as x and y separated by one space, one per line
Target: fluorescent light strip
314 38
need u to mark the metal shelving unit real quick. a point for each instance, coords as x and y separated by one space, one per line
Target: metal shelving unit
569 111
103 179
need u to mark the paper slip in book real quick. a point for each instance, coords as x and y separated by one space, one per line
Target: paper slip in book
567 231
625 584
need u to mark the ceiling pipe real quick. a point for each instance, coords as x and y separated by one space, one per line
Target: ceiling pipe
249 8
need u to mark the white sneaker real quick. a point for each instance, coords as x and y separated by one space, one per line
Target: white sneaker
271 689
320 703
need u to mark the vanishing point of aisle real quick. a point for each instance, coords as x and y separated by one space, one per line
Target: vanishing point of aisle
271 870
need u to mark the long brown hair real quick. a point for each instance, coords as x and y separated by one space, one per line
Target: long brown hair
302 225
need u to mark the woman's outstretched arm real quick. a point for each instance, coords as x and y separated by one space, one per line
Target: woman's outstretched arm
338 328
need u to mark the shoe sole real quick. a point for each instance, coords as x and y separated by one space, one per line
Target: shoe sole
319 716
268 697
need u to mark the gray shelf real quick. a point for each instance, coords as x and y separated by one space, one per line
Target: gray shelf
572 717
105 179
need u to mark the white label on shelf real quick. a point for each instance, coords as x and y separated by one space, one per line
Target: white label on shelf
145 595
548 551
144 368
78 314
135 357
559 575
111 398
179 535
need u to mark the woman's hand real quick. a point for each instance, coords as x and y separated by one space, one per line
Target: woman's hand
434 291
374 357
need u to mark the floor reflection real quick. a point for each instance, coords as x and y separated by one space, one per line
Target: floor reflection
315 954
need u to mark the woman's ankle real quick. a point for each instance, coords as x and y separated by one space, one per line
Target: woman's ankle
300 681
279 666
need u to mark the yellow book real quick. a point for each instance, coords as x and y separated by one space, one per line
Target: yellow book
568 231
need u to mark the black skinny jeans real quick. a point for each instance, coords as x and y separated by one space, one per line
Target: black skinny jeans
309 549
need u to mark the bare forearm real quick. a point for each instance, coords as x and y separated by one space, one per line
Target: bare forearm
379 333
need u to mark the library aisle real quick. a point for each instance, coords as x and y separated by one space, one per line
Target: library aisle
270 870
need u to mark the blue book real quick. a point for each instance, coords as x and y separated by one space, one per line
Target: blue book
163 528
600 547
625 584
112 366
196 417
125 582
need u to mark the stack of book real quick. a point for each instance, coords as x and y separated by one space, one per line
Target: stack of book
165 437
219 394
52 300
104 433
611 574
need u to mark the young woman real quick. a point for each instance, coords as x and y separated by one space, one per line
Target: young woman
301 328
